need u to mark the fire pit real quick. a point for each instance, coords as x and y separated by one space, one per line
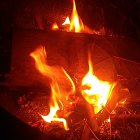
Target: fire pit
32 94
71 85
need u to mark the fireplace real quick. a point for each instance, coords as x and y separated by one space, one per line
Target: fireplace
69 83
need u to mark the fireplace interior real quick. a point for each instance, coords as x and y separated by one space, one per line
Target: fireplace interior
44 70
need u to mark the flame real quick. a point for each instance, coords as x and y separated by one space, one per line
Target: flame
67 21
75 23
55 26
95 91
61 85
52 116
123 101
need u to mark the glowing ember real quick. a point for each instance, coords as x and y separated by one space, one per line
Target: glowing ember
123 101
108 120
95 91
61 85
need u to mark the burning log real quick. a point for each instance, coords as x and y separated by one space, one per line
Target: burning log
96 120
87 131
118 93
90 115
90 124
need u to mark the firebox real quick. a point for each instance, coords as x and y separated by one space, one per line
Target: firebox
72 82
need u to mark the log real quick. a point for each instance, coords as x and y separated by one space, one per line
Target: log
90 115
118 93
85 133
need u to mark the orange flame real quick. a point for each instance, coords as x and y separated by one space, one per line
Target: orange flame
52 116
61 85
67 21
75 23
95 91
55 26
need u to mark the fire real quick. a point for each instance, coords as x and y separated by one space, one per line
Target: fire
52 116
95 91
67 21
75 23
55 26
61 85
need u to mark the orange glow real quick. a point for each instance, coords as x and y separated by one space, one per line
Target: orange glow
55 26
61 85
108 120
95 91
122 102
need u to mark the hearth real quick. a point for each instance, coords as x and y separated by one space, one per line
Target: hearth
72 82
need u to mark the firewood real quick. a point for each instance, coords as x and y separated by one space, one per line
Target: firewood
85 133
91 117
118 93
